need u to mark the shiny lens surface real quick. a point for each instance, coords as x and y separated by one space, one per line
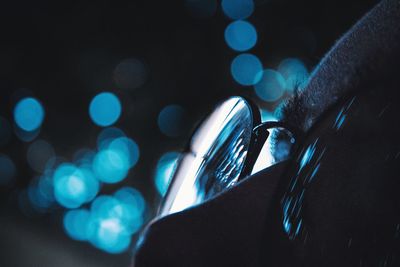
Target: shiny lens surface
216 158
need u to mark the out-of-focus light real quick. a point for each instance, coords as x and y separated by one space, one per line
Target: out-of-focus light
38 201
246 69
105 109
7 170
108 235
201 8
5 131
128 147
39 153
76 224
26 136
107 135
73 186
29 114
172 120
267 116
84 156
45 187
240 35
294 72
238 9
271 86
130 73
111 166
131 197
115 219
164 171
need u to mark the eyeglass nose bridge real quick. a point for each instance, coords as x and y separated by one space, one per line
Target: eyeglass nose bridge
260 135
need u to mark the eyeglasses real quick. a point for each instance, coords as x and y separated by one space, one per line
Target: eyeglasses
225 149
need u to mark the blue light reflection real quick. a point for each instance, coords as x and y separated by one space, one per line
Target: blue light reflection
237 9
246 69
241 35
29 114
164 171
105 109
271 86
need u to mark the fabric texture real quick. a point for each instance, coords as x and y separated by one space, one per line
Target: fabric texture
336 201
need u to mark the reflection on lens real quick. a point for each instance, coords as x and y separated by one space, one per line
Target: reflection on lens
216 158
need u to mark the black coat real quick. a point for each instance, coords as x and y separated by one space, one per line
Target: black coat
336 201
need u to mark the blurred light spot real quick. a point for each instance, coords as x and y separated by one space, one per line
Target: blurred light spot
105 109
108 235
240 35
172 120
267 116
45 187
76 223
7 170
127 147
164 171
74 186
29 114
131 197
111 166
294 72
84 156
115 219
39 201
5 131
107 135
130 73
39 153
246 69
238 9
271 86
202 8
26 136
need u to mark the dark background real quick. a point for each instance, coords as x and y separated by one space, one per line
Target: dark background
64 53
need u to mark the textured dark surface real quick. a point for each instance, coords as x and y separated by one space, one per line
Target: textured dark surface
349 209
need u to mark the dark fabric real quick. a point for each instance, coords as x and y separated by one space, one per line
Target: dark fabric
225 231
338 206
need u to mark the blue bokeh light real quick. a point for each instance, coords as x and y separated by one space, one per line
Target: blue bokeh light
74 186
111 166
267 116
29 114
26 136
107 135
271 86
84 156
41 192
241 35
105 109
7 170
38 155
5 131
294 72
202 8
238 9
127 147
246 69
76 224
164 171
172 120
132 197
115 218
